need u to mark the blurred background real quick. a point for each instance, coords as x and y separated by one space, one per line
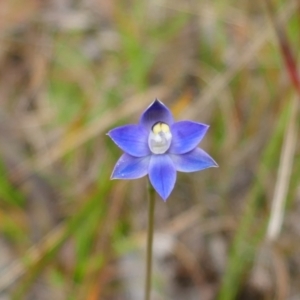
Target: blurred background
70 70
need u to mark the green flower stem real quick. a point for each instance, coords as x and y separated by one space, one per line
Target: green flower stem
150 229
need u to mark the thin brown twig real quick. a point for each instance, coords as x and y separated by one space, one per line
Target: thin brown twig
285 47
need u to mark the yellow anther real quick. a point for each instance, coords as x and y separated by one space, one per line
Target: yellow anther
165 127
160 127
156 128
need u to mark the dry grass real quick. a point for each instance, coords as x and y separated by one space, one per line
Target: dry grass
71 70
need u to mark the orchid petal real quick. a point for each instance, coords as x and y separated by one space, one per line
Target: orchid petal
156 112
130 167
162 174
132 139
186 135
195 160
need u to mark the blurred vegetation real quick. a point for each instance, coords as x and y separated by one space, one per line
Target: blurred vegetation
72 70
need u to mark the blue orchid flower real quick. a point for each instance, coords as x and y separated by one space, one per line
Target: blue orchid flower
160 147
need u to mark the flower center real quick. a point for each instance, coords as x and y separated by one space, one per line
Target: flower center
160 138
